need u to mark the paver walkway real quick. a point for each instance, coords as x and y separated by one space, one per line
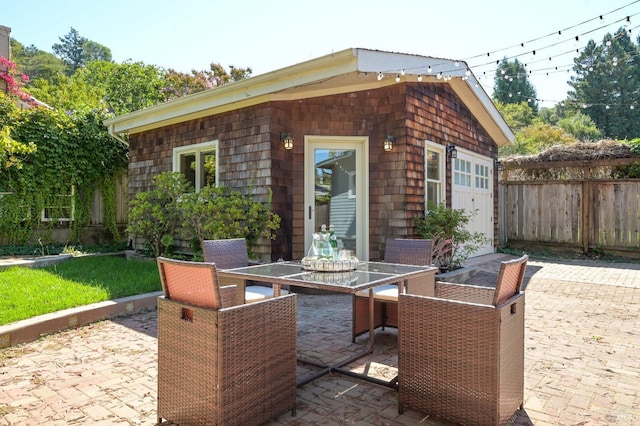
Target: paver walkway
582 360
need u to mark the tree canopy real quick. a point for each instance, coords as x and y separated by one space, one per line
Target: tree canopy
606 85
511 85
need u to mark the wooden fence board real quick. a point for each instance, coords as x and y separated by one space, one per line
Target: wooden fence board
553 212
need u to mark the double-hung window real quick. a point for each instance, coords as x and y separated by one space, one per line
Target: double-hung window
434 167
198 163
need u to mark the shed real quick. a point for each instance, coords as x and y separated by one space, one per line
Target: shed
337 111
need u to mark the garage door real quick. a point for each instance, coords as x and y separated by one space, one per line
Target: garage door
472 190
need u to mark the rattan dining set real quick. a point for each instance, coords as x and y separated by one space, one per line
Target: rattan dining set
227 350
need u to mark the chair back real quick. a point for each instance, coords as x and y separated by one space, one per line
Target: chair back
408 252
510 279
226 254
195 283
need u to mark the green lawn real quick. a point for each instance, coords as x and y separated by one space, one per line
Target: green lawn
25 293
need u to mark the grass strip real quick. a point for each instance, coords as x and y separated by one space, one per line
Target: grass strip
25 292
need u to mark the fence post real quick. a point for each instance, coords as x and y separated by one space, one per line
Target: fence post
586 194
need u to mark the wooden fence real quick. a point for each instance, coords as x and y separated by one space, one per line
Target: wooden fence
592 212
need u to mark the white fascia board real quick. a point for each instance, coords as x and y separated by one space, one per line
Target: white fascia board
241 93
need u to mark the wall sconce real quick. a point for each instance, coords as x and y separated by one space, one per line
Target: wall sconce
499 166
286 140
452 151
388 142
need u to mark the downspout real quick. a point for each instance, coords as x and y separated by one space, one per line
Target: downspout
116 137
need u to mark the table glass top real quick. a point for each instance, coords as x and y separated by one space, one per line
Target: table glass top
367 274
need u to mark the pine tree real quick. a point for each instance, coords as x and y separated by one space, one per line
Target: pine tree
512 85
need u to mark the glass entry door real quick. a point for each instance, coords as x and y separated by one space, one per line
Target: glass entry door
335 190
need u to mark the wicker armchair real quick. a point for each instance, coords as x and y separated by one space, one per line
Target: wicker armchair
404 251
232 253
221 364
461 353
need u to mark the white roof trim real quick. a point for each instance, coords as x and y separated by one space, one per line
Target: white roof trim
345 71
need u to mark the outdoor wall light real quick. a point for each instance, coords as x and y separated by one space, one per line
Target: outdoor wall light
286 140
388 142
499 166
452 151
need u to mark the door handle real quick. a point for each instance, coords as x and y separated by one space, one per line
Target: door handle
309 212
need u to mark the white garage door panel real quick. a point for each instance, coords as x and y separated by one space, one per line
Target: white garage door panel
472 190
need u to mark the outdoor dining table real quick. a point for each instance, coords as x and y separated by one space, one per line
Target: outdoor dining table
366 276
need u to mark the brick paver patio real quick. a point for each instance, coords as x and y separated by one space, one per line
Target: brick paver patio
582 360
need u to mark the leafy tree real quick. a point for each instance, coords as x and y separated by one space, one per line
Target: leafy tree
536 138
125 87
517 115
69 93
71 50
607 83
512 86
95 52
36 63
580 126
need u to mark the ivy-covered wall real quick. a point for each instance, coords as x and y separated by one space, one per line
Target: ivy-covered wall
71 157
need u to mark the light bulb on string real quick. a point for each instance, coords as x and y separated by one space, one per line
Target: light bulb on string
420 77
398 78
402 72
380 76
429 70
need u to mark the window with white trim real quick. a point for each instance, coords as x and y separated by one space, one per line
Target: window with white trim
434 173
60 207
482 176
462 172
198 163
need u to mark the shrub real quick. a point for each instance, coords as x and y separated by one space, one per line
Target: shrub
154 214
158 215
220 212
453 242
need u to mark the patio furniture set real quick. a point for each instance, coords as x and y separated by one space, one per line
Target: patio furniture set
227 350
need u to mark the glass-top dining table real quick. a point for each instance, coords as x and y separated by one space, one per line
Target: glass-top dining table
365 276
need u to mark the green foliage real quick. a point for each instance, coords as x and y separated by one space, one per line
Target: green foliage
605 85
125 87
36 63
12 152
536 138
580 126
154 214
512 85
443 224
517 115
73 156
71 50
631 171
160 213
220 212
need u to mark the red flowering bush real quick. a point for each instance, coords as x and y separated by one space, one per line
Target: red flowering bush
15 80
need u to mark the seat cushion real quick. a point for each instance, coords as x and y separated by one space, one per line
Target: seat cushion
255 293
384 292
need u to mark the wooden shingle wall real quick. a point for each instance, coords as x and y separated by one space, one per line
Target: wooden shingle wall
251 153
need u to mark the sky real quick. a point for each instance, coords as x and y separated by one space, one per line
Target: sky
266 35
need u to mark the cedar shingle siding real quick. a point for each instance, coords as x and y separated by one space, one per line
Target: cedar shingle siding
251 154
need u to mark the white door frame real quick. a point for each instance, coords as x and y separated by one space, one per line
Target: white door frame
361 145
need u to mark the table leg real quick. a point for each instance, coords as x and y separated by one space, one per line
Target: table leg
371 321
276 290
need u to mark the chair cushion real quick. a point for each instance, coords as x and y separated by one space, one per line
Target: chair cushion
384 292
255 293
